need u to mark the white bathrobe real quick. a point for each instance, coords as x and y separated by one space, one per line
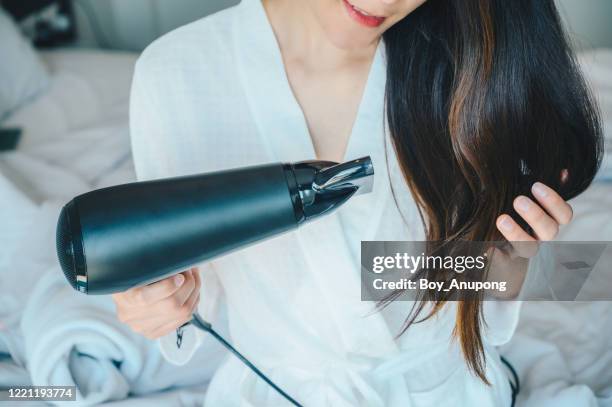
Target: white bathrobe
214 95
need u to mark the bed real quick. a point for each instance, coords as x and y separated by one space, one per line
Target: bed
78 128
75 138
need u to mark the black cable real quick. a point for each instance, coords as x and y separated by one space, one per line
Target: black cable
516 387
198 322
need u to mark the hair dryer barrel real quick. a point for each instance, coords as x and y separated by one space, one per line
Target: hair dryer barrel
120 237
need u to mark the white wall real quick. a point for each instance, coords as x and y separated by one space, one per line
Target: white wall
589 21
133 24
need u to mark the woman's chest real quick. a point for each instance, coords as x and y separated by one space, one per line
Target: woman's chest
330 104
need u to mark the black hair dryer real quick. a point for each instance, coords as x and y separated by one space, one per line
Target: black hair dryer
116 238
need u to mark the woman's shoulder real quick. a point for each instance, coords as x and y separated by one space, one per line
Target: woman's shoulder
203 44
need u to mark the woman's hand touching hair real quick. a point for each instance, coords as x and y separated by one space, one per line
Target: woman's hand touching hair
544 215
157 309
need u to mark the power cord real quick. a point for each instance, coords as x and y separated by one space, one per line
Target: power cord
200 323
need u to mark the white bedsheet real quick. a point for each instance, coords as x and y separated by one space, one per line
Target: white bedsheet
88 89
76 136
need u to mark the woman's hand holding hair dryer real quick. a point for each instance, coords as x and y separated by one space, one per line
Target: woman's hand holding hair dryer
157 309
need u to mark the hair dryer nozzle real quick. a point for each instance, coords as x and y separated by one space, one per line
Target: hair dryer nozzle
330 186
357 173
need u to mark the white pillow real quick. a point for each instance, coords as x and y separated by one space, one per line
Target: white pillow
22 74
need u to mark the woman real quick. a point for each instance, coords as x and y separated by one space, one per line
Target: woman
479 127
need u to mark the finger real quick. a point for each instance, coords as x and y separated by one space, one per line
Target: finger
193 303
198 285
154 315
198 278
157 291
522 242
170 326
145 328
544 226
152 318
178 299
163 330
162 311
154 327
118 299
193 288
556 206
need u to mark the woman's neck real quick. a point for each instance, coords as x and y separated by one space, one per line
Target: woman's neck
303 40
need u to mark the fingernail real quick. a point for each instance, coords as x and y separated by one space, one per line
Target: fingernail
178 280
523 204
539 190
505 223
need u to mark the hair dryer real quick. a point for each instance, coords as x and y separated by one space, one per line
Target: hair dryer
116 238
120 237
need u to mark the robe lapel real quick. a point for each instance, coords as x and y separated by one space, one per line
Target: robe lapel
368 139
277 114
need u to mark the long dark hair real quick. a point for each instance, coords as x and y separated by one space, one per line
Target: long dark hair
484 98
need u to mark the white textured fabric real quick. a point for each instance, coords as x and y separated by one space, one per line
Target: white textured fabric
18 216
88 89
22 74
597 67
73 339
214 95
66 338
54 162
75 135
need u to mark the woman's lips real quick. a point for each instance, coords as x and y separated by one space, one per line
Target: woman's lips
362 17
